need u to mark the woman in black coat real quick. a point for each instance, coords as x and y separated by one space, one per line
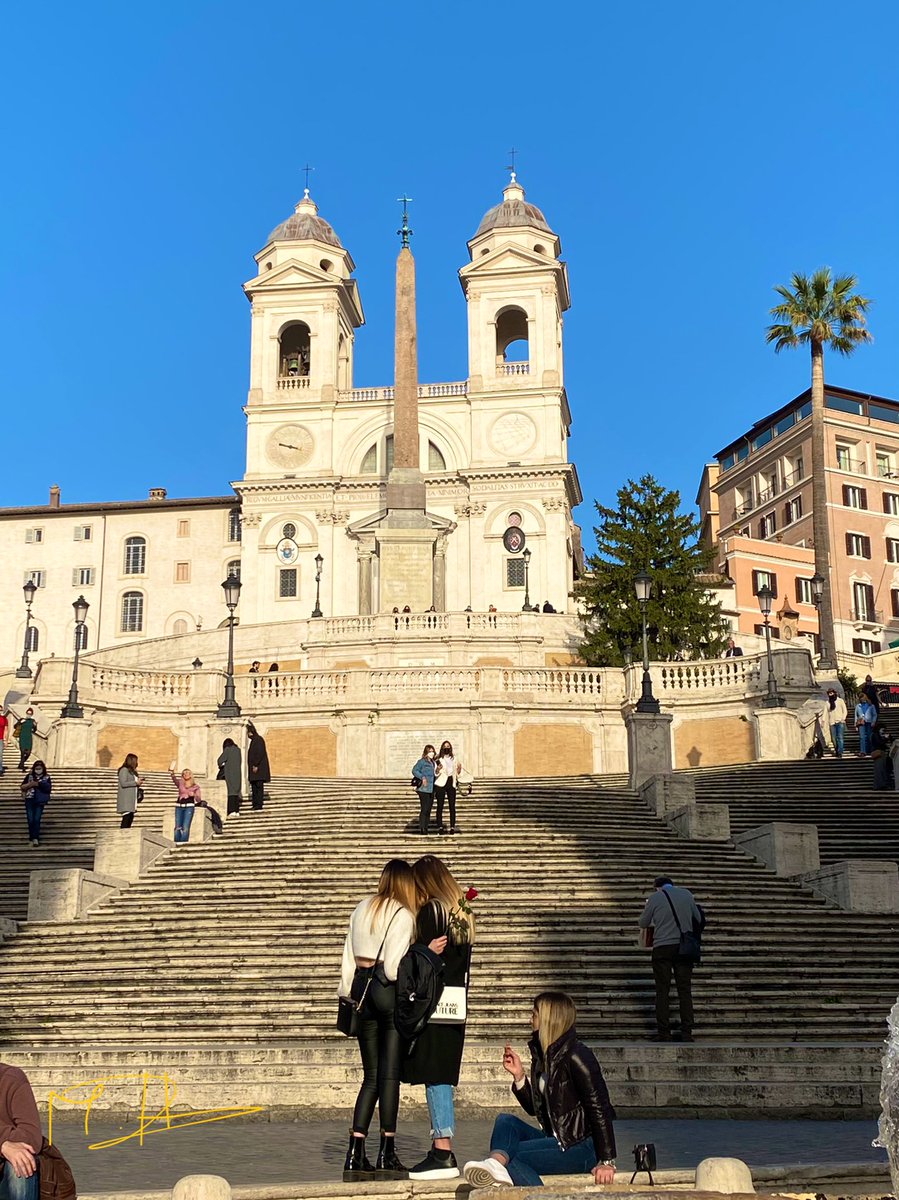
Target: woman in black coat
257 767
436 1054
567 1094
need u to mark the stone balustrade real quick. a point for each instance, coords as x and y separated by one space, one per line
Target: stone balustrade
291 382
723 677
458 387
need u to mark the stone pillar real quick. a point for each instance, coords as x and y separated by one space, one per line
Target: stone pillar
68 894
364 564
127 853
405 485
72 742
863 885
439 588
701 822
778 735
648 745
787 848
202 1187
664 793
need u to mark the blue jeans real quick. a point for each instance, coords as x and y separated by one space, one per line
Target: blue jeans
33 814
836 732
440 1108
184 814
864 738
14 1188
532 1154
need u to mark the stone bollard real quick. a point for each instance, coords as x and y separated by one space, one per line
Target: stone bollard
701 822
863 885
728 1175
68 893
200 825
202 1187
787 848
127 853
648 745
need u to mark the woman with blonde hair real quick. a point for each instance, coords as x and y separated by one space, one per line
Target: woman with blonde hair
380 933
437 1053
567 1094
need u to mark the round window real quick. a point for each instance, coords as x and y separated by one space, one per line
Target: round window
289 530
515 519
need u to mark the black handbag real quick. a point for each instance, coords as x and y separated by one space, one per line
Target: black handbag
349 1008
690 948
140 795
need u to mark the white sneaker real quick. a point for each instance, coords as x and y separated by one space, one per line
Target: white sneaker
488 1172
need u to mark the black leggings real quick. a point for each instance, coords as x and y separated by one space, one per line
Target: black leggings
447 792
127 821
382 1051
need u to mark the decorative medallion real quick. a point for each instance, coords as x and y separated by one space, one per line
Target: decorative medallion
513 433
287 551
514 539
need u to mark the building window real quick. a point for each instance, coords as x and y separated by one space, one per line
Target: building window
287 583
858 546
804 593
514 572
135 555
233 569
33 536
767 526
80 638
764 579
33 639
182 572
865 646
892 549
183 527
845 459
794 471
863 602
436 461
894 601
132 612
180 627
83 577
234 525
891 503
38 578
855 497
289 530
370 462
886 464
83 533
760 630
792 510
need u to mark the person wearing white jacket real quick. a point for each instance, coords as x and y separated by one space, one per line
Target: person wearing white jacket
836 715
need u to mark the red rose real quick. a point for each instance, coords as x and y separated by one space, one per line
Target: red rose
471 894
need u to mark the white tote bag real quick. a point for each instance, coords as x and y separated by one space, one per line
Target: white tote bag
453 1007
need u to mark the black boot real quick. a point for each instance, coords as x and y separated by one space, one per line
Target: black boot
388 1165
357 1167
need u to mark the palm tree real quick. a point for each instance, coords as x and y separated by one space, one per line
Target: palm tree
817 311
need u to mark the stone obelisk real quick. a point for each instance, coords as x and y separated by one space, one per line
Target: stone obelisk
406 538
405 485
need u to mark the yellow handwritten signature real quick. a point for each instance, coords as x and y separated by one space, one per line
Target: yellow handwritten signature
88 1091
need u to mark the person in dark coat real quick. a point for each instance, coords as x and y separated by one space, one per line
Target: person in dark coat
229 764
257 767
567 1094
436 1054
880 753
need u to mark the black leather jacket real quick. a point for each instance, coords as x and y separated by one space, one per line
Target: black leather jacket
575 1104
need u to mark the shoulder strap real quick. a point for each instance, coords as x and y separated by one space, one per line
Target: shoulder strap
673 911
384 938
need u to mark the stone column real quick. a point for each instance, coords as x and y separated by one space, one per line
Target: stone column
363 559
648 745
439 589
405 485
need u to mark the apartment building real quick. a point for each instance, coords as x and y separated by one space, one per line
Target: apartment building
755 504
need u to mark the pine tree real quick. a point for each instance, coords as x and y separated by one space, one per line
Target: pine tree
647 532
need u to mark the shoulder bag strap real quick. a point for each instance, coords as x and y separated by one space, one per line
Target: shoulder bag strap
673 912
384 938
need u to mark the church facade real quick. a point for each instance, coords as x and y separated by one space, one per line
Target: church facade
488 456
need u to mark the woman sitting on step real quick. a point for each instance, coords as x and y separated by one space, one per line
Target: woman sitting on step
567 1094
380 933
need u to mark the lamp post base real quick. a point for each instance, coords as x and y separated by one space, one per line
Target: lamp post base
228 709
648 705
317 612
23 672
72 710
774 701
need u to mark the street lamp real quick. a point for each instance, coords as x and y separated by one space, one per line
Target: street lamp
319 563
72 708
647 702
772 700
526 607
817 600
24 671
197 663
229 706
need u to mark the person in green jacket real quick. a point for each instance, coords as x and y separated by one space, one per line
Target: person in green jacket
27 730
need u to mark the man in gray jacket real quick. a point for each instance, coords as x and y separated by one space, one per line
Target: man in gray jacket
665 908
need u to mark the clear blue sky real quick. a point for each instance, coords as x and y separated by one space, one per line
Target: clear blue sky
689 156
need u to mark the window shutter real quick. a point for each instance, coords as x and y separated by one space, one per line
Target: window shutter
755 583
76 575
773 583
894 597
863 493
846 494
79 532
798 583
866 542
848 543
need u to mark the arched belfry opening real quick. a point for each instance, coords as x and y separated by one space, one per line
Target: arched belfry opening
294 350
512 335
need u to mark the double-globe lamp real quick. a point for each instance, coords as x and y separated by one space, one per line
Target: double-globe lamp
773 699
72 708
23 671
229 706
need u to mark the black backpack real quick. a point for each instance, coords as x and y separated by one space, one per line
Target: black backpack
419 986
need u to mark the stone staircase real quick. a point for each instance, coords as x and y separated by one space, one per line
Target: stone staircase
220 966
853 820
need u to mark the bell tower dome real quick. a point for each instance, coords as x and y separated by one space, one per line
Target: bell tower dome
306 307
516 287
